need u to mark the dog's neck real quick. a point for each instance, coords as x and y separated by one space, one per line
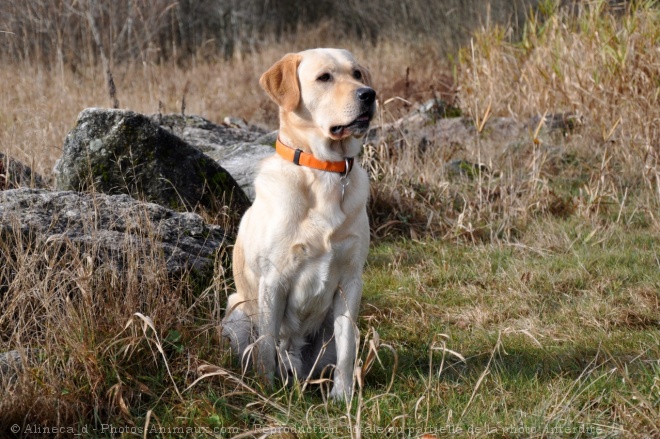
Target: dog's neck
312 140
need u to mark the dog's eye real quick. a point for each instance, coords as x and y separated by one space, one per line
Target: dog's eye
357 74
324 77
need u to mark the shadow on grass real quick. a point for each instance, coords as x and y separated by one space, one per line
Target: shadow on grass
516 361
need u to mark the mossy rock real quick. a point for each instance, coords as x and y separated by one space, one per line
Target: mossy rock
123 152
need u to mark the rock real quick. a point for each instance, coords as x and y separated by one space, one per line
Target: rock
565 122
235 146
268 139
10 364
235 122
122 152
464 168
424 129
439 109
14 174
242 161
204 134
109 226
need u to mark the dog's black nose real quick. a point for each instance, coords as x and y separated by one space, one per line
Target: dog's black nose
366 95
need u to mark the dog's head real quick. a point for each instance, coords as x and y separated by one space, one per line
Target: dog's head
323 94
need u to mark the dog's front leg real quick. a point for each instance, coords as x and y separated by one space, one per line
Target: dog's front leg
272 304
346 306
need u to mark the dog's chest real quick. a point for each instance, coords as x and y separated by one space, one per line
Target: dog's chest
321 260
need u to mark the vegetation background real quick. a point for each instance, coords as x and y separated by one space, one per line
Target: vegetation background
519 302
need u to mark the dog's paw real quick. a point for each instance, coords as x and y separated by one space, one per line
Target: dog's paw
237 329
340 392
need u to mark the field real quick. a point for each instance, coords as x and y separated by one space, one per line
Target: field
520 299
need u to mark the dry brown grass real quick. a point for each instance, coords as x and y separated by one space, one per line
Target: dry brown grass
597 67
63 307
601 66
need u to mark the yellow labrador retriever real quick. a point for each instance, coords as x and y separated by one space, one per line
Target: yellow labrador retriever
301 247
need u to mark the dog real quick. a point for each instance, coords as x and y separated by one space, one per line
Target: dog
302 245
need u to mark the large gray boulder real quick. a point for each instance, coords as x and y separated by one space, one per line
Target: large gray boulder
109 227
237 147
123 152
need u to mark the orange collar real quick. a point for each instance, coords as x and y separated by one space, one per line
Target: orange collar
302 158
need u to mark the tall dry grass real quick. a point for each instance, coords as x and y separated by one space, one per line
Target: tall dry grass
593 67
77 319
593 61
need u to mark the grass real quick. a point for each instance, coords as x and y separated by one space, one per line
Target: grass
562 337
488 337
519 302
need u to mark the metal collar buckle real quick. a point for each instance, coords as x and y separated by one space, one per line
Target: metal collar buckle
349 166
343 180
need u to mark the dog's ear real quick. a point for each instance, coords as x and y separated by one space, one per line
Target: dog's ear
281 82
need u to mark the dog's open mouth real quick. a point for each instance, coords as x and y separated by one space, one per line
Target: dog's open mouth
358 127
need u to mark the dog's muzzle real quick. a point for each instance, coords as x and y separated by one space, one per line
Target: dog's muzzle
366 97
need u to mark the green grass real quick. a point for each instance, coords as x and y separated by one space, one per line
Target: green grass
565 337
